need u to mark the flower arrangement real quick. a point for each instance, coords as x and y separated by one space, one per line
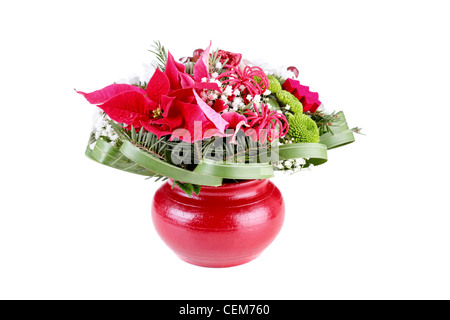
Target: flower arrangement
213 117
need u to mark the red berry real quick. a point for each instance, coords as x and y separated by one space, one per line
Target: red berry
197 54
294 70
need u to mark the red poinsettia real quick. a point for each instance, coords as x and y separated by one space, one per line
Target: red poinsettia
309 100
169 106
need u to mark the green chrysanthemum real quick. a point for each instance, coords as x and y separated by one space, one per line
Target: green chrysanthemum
274 84
287 98
303 129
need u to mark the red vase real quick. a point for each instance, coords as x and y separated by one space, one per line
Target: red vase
222 227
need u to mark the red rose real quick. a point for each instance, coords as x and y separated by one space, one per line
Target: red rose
309 100
234 59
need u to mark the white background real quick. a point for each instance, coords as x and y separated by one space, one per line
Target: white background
372 223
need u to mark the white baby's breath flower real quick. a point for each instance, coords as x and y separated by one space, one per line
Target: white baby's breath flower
237 102
288 107
249 97
214 75
267 92
257 99
288 164
204 79
228 91
236 92
219 65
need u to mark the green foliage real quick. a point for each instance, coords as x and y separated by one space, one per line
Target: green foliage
161 55
140 84
273 102
274 84
325 121
287 98
303 129
188 188
213 59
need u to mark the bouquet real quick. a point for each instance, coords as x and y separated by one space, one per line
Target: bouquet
213 117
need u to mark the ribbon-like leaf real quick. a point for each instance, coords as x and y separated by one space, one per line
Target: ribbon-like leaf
340 134
238 171
162 168
108 155
315 152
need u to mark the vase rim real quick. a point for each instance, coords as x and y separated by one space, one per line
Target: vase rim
230 184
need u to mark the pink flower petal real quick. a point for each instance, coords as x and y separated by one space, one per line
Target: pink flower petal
172 72
186 80
158 86
201 67
128 107
236 121
213 116
103 95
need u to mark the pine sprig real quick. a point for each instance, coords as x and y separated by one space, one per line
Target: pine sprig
324 121
214 58
161 55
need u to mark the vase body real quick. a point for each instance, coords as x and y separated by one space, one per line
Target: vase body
222 227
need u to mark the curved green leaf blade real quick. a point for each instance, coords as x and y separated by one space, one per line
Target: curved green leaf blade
106 154
238 171
162 168
315 152
340 135
338 139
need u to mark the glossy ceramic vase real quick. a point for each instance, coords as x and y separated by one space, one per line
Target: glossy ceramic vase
222 227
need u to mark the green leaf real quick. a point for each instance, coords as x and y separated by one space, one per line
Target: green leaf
162 168
315 152
197 189
238 171
106 154
340 134
186 187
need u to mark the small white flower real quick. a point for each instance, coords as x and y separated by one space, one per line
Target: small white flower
236 92
267 92
204 79
219 65
214 75
249 97
288 107
280 112
228 91
288 164
257 99
242 87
